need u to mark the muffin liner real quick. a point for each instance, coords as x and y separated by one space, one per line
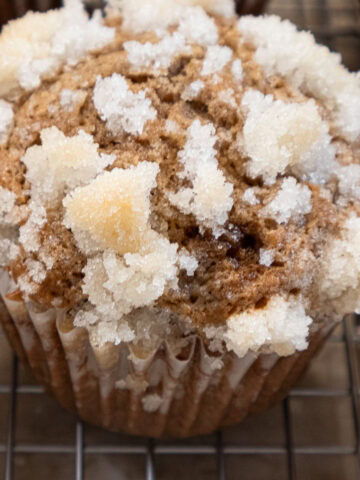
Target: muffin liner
158 393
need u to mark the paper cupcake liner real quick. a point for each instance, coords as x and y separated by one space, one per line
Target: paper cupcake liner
10 9
156 394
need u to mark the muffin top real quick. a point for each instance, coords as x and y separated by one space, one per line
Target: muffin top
173 170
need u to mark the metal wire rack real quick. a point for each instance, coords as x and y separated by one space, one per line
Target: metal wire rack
314 434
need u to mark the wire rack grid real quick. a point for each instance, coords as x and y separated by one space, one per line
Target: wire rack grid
294 441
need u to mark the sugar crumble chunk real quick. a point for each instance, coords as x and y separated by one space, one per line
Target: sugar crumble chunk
282 327
188 262
6 120
250 197
156 56
197 27
339 277
228 96
120 108
282 49
157 15
61 163
266 257
215 59
292 202
29 232
113 210
349 181
279 135
191 91
38 44
69 99
237 70
171 126
210 197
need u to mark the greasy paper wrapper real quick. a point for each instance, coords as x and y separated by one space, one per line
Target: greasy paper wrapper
196 398
10 9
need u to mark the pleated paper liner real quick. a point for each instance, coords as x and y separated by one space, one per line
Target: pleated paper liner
157 393
10 9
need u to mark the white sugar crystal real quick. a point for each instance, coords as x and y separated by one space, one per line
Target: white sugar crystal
151 402
119 107
197 27
237 70
209 199
6 120
29 233
171 126
39 43
278 135
188 262
215 59
228 97
281 327
156 56
216 337
26 285
69 99
192 91
62 163
102 331
339 277
291 202
349 181
250 197
281 49
36 270
266 257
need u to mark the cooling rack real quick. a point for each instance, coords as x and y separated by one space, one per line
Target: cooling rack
313 434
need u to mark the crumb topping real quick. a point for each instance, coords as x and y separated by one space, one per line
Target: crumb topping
120 107
215 59
61 163
282 324
194 175
192 91
70 98
39 43
209 199
266 257
278 135
292 201
156 56
339 277
281 49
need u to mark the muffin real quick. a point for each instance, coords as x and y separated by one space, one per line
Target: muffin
180 217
